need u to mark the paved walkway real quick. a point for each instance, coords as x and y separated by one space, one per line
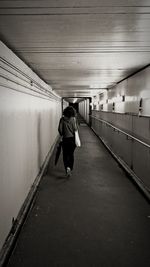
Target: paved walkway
98 218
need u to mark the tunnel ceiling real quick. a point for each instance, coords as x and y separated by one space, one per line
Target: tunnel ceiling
78 46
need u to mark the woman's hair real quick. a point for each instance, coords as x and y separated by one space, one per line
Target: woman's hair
69 112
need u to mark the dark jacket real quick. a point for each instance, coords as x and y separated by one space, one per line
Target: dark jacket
67 127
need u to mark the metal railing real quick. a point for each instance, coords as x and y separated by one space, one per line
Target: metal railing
123 132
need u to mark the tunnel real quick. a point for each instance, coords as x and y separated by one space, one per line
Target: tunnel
93 56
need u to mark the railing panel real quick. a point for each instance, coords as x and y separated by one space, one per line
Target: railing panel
141 162
134 152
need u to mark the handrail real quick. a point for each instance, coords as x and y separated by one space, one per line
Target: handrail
125 133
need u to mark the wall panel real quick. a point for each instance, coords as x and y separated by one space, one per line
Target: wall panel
84 109
141 162
29 115
126 96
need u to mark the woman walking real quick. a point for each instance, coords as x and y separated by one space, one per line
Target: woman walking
67 127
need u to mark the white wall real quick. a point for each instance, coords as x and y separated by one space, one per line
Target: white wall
84 109
29 115
133 88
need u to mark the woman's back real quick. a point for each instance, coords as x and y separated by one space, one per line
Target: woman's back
67 127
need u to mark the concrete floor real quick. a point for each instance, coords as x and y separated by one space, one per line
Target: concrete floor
97 218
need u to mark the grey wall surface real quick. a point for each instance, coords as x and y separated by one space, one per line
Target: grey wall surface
127 106
29 115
